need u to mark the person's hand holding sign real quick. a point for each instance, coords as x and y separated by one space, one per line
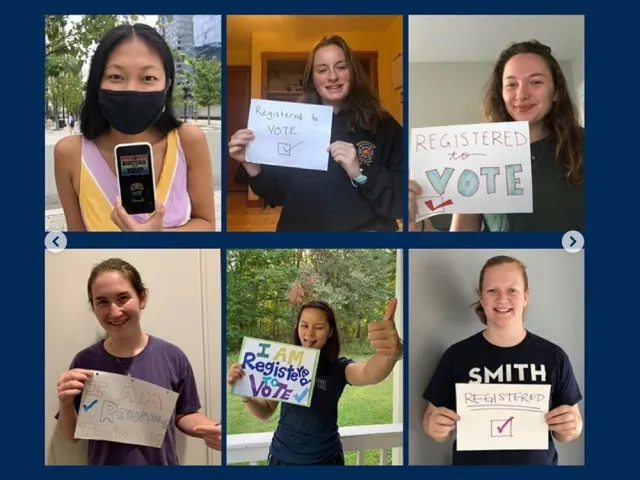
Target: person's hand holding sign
565 422
383 335
211 434
238 150
235 374
345 154
440 423
71 384
414 191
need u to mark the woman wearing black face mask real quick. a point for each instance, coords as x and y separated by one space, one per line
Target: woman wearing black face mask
129 99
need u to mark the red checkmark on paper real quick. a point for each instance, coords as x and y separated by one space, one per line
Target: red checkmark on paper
504 425
432 207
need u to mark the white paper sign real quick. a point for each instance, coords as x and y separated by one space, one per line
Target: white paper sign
289 134
122 409
277 371
483 168
502 416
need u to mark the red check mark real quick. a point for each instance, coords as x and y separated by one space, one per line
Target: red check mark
429 203
504 425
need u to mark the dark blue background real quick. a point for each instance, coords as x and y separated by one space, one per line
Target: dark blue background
611 423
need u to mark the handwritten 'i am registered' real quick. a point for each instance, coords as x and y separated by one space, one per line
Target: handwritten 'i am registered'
277 379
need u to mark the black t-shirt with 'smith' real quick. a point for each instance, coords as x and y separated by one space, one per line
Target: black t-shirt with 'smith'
533 361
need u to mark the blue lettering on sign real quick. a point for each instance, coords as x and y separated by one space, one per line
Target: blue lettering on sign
439 182
469 182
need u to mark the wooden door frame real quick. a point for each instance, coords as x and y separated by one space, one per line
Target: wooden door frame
243 69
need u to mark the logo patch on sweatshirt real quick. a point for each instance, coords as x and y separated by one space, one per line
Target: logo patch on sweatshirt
365 152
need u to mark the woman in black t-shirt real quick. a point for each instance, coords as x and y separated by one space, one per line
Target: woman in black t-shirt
504 352
309 435
361 190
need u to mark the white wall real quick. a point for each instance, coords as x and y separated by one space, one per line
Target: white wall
442 287
452 93
184 308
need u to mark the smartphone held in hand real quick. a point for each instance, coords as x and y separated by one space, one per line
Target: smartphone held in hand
136 179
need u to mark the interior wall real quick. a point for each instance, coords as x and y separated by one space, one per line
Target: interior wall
183 308
452 93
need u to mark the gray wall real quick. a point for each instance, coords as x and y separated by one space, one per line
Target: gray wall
452 93
441 289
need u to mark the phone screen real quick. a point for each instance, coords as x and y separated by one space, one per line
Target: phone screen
135 175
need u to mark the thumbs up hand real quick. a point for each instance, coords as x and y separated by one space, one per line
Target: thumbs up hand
383 335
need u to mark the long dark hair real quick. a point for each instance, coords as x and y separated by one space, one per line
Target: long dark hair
331 348
92 123
361 105
562 119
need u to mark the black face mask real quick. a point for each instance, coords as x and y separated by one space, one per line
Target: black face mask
131 112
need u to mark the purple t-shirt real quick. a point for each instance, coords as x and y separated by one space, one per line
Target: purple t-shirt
160 363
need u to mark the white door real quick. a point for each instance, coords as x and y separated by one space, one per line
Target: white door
183 308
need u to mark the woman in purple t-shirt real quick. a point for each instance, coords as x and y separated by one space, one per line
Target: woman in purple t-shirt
117 296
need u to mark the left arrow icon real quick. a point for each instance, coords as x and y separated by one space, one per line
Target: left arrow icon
55 242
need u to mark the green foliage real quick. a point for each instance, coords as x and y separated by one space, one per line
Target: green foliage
65 38
265 289
204 80
67 47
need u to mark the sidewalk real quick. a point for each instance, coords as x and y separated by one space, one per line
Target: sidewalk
54 219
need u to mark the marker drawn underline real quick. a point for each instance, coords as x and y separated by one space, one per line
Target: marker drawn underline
497 407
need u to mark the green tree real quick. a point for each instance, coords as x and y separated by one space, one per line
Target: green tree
64 91
265 289
63 37
205 80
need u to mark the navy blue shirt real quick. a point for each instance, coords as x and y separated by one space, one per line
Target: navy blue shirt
476 360
316 200
308 435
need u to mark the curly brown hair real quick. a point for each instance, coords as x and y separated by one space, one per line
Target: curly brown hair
361 105
562 119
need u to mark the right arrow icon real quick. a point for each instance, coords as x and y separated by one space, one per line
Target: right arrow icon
573 241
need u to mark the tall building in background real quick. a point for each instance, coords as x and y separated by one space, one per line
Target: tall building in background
177 30
195 36
207 32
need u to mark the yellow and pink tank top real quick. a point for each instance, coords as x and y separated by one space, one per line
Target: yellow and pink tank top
99 188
